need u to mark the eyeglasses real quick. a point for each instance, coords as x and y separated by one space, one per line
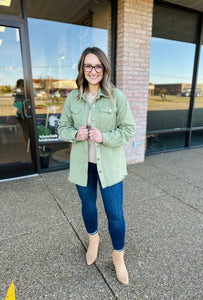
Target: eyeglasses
98 68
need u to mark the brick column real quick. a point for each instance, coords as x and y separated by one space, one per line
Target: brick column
133 63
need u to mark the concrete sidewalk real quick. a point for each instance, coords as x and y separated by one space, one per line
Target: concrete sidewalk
43 239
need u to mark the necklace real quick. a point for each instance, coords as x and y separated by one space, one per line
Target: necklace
92 94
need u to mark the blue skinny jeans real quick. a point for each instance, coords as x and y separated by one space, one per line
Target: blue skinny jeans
113 204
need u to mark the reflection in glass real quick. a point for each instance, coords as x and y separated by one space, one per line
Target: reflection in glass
55 52
91 13
54 155
10 7
170 84
197 135
197 138
14 135
162 142
56 46
171 70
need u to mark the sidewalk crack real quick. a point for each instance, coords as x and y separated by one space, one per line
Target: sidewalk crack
77 235
168 193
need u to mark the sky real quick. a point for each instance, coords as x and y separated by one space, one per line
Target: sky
10 56
56 48
172 62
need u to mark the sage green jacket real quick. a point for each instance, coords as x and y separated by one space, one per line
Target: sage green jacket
116 123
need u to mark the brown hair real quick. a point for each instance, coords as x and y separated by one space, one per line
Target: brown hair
105 84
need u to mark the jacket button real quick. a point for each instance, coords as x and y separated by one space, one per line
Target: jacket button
93 105
93 119
110 110
100 171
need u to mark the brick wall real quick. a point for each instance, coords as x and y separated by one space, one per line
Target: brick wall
133 62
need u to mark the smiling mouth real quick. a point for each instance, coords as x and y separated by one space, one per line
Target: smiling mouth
95 77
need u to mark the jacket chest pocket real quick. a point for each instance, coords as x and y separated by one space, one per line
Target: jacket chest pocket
107 118
77 117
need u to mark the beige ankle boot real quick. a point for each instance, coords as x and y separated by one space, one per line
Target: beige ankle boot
121 271
92 250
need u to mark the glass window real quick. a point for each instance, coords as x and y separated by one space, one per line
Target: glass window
197 138
14 132
165 141
92 13
10 7
197 135
171 69
171 77
56 43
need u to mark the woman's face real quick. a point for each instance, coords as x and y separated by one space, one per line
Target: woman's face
92 76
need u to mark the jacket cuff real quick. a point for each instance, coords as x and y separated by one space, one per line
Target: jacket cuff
105 137
75 131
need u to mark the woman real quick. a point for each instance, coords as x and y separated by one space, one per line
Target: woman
97 120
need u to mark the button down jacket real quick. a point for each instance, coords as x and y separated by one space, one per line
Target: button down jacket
116 123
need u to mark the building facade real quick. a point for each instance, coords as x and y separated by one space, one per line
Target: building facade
156 54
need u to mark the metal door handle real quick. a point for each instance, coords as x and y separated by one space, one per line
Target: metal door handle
25 110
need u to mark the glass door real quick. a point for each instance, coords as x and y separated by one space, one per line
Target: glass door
16 158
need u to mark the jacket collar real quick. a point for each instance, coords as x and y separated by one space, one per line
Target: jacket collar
100 94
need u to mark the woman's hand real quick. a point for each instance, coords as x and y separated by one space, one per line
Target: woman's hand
95 135
82 134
